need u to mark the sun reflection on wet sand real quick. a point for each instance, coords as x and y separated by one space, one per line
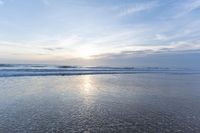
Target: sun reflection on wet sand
88 89
100 103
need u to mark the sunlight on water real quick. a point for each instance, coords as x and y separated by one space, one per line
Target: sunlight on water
88 89
87 83
100 103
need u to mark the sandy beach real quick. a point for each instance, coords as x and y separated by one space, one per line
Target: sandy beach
100 103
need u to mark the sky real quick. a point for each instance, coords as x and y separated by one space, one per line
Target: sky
100 32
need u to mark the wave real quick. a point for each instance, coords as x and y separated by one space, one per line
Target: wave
9 70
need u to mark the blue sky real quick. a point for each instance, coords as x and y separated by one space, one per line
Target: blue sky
105 31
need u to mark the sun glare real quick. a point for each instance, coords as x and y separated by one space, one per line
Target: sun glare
87 53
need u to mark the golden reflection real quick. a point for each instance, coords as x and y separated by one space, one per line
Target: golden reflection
87 84
88 88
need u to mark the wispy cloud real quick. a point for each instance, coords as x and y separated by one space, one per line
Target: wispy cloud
136 51
53 49
125 10
135 39
187 7
94 28
161 37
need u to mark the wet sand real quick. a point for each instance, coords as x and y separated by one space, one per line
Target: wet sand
143 103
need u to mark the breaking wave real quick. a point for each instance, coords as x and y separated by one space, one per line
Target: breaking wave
10 70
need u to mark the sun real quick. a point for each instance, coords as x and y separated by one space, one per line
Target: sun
87 53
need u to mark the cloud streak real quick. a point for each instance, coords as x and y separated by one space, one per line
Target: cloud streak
126 10
187 7
146 50
98 29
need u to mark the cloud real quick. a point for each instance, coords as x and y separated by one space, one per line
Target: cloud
134 51
53 49
132 9
187 7
124 42
161 37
